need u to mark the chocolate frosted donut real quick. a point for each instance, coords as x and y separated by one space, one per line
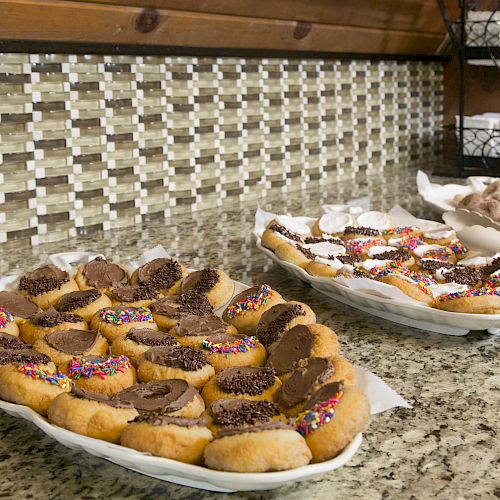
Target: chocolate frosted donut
135 295
101 274
214 284
164 275
9 342
19 305
85 303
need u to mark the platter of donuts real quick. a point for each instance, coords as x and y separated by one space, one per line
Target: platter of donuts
184 375
407 270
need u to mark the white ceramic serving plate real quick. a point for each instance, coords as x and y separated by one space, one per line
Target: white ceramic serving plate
404 312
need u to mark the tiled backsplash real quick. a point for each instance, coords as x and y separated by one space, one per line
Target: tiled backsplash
100 142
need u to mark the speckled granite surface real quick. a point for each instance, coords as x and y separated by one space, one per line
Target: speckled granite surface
445 447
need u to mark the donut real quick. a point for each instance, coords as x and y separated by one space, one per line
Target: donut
85 303
32 386
45 285
458 249
134 295
101 274
374 219
138 340
225 350
435 252
164 363
246 308
280 318
245 382
406 242
441 237
8 325
63 345
9 342
25 356
358 232
401 232
91 414
276 234
473 301
214 284
460 274
323 254
117 320
362 245
18 305
174 397
299 343
331 418
332 223
322 266
178 438
50 320
102 374
164 275
167 311
295 254
192 330
400 255
252 436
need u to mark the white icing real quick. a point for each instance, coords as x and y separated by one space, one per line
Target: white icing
440 273
335 263
371 263
325 249
334 222
496 274
395 241
360 240
445 288
478 261
284 238
348 268
293 225
439 235
423 249
379 249
375 220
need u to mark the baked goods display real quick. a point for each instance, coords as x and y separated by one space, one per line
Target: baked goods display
240 391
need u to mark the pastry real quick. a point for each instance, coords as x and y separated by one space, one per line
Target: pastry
177 438
390 253
101 274
214 284
439 236
323 257
23 356
435 252
91 414
85 303
8 324
10 342
473 301
276 234
361 246
332 223
18 305
134 295
45 285
164 275
401 232
164 363
104 374
246 308
114 321
295 254
245 382
360 232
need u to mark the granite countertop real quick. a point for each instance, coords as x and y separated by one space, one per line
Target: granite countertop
445 447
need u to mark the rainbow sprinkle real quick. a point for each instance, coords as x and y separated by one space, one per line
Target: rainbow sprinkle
357 246
457 248
88 368
121 316
399 230
411 243
5 317
475 292
252 302
438 253
62 381
423 281
493 282
321 413
228 347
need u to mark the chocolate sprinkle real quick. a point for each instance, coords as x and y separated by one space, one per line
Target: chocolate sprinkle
134 293
349 259
491 268
40 286
151 338
51 317
76 300
402 254
240 412
246 380
462 275
319 239
185 358
10 342
23 357
285 232
306 252
208 278
274 330
193 302
364 231
166 276
432 265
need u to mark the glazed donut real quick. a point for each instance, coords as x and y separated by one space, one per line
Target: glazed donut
252 436
164 275
134 295
168 310
48 321
192 330
246 308
9 342
8 325
299 343
177 438
164 363
332 223
32 386
101 274
282 317
175 398
91 414
18 305
275 235
105 375
45 285
138 340
117 320
62 345
475 301
295 254
25 356
225 351
331 418
245 382
214 284
84 303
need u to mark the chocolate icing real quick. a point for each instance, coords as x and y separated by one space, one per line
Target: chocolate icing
100 398
23 357
462 275
200 326
320 239
192 303
364 231
324 394
10 342
152 338
134 293
159 273
162 396
159 419
433 265
76 300
306 252
51 317
275 320
232 412
294 345
285 232
18 304
348 259
201 281
185 358
73 342
395 254
266 426
43 280
101 273
303 379
250 380
221 338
